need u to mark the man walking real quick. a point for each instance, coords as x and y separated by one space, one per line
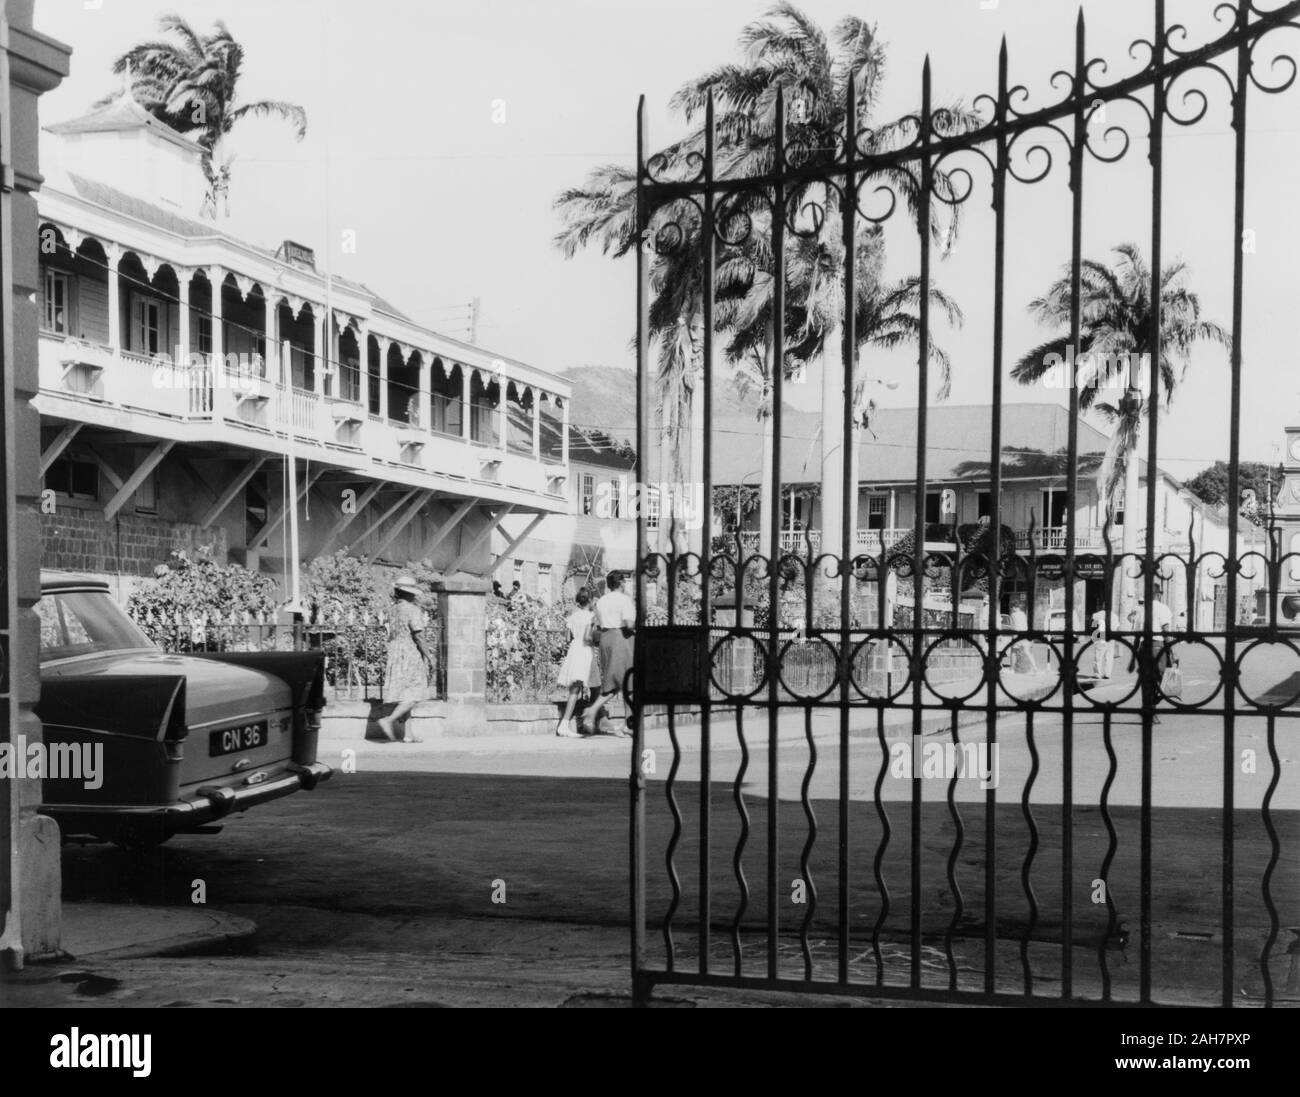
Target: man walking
614 624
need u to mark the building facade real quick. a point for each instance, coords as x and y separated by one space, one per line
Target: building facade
1035 503
192 385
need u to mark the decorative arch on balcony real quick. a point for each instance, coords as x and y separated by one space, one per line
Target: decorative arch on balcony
550 413
521 408
296 324
485 395
244 320
403 384
73 290
348 377
447 397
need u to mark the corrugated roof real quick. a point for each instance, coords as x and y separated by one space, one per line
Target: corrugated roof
958 444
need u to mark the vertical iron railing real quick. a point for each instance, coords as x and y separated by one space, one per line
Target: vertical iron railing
910 664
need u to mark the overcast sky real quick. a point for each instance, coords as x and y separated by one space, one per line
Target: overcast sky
448 205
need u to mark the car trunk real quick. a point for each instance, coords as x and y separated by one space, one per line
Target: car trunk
239 720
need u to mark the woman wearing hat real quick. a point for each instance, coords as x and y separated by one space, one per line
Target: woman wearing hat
406 678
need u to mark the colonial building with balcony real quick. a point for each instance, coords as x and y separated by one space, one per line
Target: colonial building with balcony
197 390
551 556
1035 502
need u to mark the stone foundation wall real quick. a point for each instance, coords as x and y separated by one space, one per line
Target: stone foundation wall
78 539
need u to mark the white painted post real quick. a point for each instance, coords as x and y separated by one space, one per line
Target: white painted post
114 255
215 280
467 406
383 342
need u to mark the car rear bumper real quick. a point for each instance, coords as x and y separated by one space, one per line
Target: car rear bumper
206 805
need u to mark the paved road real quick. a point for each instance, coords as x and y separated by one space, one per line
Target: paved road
379 887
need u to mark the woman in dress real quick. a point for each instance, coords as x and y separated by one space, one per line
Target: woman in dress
406 678
576 672
616 620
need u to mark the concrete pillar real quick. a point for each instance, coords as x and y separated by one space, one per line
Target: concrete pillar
113 254
462 605
30 859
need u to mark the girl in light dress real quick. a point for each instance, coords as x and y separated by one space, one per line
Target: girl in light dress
579 666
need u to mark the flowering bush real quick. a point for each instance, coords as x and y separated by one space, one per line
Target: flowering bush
196 604
526 641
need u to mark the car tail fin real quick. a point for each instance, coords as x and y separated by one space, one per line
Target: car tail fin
304 671
143 706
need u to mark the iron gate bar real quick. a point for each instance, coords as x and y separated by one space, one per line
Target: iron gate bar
706 572
848 491
918 517
994 566
773 188
1156 155
640 986
1234 490
774 561
1071 481
1266 883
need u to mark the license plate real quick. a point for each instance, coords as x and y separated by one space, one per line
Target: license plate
234 740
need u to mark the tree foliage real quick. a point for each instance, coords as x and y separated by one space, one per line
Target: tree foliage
190 81
1210 485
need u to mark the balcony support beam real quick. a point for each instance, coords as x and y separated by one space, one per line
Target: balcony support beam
515 543
264 534
232 490
383 518
367 497
450 525
60 443
480 538
133 482
397 527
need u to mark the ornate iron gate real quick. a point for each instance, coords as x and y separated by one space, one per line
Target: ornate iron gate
1055 895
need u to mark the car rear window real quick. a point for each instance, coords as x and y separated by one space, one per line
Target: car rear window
82 623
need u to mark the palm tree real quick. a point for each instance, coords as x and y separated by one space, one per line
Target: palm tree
1115 342
190 82
786 52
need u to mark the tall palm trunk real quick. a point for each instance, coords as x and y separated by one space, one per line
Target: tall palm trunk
830 505
766 513
1133 514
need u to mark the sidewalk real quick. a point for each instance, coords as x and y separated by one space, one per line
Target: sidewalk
863 723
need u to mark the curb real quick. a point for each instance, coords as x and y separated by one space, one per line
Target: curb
222 933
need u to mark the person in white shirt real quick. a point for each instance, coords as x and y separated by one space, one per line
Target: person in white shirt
578 671
1103 647
615 620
